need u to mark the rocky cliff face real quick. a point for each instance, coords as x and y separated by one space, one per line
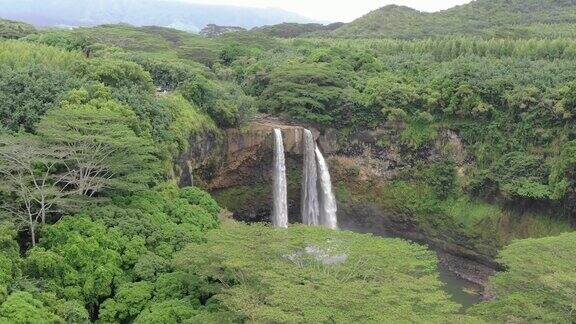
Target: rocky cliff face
201 160
236 167
248 157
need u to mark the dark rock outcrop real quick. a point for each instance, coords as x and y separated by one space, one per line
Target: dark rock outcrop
249 153
236 167
202 160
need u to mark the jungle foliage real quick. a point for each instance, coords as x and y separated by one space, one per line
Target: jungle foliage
540 283
14 29
485 18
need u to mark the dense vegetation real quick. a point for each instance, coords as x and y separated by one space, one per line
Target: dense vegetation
311 275
486 18
90 219
291 30
93 227
510 101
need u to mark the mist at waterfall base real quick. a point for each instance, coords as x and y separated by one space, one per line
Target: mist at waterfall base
318 202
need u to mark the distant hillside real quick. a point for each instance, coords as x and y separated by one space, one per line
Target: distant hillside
165 13
510 18
172 44
216 31
13 29
290 30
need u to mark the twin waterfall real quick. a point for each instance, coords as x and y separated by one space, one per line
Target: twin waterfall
318 201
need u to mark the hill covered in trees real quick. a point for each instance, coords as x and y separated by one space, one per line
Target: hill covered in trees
487 18
291 30
14 29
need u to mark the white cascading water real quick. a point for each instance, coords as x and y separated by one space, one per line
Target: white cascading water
310 206
280 192
328 206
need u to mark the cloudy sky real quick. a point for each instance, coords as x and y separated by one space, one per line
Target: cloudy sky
337 10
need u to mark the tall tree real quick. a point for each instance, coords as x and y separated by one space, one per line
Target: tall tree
105 146
29 180
87 147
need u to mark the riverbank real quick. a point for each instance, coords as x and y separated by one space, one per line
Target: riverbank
465 273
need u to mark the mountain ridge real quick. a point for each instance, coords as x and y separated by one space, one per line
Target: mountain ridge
169 13
479 17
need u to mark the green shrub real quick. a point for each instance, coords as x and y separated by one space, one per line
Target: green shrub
418 133
195 196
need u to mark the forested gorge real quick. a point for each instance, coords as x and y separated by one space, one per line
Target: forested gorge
94 228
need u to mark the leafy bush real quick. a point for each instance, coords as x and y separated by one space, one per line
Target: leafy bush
442 178
118 74
225 103
78 259
62 39
419 132
562 173
521 175
195 196
168 75
9 259
129 301
182 120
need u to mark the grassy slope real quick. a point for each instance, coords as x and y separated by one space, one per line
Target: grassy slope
269 275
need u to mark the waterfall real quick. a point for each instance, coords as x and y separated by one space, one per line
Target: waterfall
280 193
310 206
318 201
328 205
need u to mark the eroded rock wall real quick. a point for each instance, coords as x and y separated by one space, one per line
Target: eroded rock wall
236 167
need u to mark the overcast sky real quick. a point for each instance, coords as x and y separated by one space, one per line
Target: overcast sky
337 10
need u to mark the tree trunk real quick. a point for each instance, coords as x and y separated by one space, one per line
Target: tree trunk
33 235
